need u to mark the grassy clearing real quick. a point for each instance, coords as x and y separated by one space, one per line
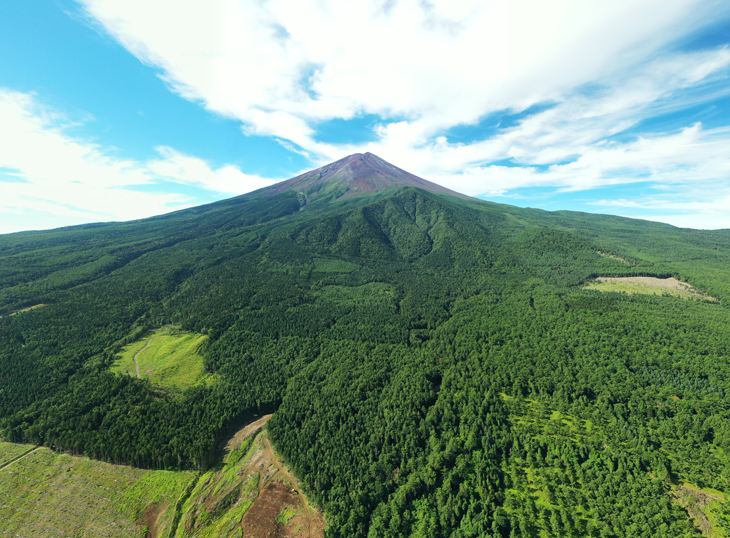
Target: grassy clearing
167 357
325 265
222 496
10 451
704 506
373 293
28 309
647 286
614 257
51 494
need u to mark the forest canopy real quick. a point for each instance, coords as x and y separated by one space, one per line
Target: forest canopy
436 367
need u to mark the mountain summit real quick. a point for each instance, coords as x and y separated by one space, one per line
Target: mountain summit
360 173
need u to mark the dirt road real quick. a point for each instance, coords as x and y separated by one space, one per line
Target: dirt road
278 491
136 366
36 449
246 432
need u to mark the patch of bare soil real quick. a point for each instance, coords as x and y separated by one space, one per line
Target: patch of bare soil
149 519
280 509
695 501
267 516
246 432
666 283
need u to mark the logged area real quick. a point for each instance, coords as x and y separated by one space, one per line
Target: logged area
168 357
647 285
12 451
253 495
46 494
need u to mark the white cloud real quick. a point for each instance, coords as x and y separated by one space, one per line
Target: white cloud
709 208
692 156
185 169
281 66
442 62
59 180
574 133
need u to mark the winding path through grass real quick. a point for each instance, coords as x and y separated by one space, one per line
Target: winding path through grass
136 366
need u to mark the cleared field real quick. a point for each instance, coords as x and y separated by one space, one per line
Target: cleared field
167 357
46 494
703 506
10 451
325 265
252 495
647 286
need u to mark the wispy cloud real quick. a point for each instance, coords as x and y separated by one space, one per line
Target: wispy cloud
580 128
283 66
49 172
694 206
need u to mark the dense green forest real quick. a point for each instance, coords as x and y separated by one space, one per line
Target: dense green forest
435 368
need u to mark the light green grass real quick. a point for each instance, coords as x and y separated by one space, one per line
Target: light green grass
705 508
51 494
286 514
326 265
167 357
631 288
44 493
221 497
10 451
370 294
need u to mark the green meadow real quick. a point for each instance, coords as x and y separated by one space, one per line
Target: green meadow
647 286
11 451
45 493
167 357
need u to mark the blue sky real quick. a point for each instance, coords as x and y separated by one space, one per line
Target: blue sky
122 109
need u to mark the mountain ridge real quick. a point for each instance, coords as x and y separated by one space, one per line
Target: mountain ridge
356 174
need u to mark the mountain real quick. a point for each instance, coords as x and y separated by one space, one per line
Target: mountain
436 365
361 173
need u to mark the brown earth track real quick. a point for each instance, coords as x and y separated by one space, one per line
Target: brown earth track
246 432
11 462
150 518
278 492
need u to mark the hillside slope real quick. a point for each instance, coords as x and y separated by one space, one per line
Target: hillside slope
435 366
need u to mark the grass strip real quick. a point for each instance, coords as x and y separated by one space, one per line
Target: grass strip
179 504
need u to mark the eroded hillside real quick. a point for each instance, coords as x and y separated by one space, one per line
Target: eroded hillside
251 494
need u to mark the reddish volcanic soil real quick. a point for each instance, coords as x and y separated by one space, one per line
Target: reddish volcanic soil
360 173
280 509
